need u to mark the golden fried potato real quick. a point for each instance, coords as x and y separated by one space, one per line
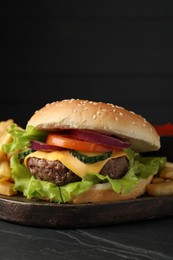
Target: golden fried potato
6 188
5 171
157 179
162 183
160 189
5 137
167 171
4 125
6 181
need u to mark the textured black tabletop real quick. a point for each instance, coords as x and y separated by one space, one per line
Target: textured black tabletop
151 239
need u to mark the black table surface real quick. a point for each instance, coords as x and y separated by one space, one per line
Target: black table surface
149 239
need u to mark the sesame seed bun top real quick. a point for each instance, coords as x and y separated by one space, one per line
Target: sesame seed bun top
101 117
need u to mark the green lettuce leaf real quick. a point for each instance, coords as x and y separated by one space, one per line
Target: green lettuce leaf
32 188
24 182
22 138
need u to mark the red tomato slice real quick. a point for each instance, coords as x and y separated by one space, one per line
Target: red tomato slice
71 143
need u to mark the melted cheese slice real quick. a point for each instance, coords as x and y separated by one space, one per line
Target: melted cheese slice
72 163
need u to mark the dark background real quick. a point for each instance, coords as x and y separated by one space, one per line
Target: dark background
112 51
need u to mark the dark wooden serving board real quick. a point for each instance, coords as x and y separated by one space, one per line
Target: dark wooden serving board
44 214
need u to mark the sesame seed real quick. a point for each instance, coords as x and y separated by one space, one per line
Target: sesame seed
132 112
119 107
70 100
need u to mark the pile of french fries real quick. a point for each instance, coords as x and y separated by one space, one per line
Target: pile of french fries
162 183
6 181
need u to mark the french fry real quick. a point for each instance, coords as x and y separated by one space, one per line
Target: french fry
160 189
6 188
167 171
162 183
156 180
5 171
5 137
6 181
4 125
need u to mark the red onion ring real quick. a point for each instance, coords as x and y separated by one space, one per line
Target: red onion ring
39 146
91 136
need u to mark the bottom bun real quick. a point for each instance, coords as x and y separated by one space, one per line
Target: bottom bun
103 193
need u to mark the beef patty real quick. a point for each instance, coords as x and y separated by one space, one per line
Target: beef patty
56 172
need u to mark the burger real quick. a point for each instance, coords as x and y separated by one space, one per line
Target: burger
82 151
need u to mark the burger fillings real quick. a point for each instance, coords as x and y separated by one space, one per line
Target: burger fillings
80 151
